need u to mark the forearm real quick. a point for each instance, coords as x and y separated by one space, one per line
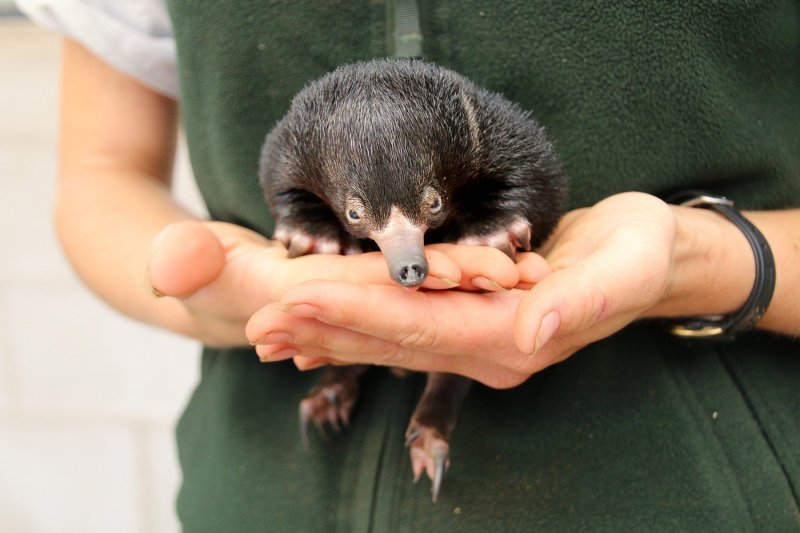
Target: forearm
106 220
714 270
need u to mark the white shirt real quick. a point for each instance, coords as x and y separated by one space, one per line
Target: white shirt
133 36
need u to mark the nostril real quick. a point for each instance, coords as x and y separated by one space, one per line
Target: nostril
414 273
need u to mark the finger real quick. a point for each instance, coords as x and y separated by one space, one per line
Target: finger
443 272
271 353
445 321
371 267
310 363
311 355
340 346
482 267
450 265
309 340
283 335
580 297
532 269
481 370
186 256
274 330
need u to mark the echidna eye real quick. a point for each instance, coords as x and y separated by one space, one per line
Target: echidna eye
354 210
436 204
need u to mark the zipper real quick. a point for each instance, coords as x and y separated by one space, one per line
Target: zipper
404 35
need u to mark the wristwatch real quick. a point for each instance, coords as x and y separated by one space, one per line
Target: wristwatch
725 327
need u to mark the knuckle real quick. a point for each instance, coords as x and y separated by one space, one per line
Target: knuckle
419 329
396 356
421 336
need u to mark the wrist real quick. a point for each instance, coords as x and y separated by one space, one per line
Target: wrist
712 267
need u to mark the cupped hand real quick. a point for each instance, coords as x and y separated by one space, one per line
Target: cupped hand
610 263
211 277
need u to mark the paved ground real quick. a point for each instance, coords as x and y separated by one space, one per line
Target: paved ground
88 399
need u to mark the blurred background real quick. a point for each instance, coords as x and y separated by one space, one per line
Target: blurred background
88 399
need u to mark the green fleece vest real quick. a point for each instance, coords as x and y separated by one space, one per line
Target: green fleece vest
634 432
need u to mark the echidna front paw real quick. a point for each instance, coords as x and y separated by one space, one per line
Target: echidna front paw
301 242
511 238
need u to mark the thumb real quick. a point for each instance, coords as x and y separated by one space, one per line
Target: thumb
186 256
589 300
558 304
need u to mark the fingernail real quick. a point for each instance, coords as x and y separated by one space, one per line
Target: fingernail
273 337
315 364
487 284
447 283
547 329
280 355
155 292
306 310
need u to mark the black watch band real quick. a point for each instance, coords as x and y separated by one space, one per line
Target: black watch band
746 318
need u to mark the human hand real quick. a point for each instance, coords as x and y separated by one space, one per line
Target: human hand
611 264
215 275
453 331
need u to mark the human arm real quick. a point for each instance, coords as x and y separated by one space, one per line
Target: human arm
125 235
117 142
629 257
